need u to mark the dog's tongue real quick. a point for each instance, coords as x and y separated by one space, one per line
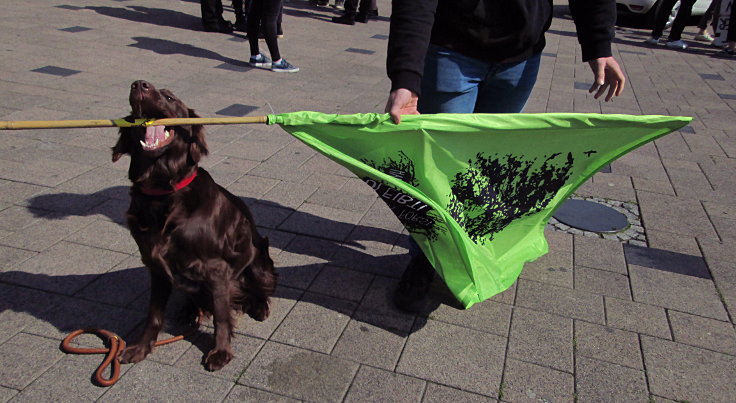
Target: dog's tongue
153 133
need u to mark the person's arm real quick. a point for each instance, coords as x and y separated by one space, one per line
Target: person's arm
594 22
411 28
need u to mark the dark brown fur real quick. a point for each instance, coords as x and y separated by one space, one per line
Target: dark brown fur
201 239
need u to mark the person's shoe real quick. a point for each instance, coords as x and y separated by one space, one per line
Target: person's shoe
339 4
260 61
652 41
365 16
411 294
346 19
704 37
679 45
224 27
726 53
283 67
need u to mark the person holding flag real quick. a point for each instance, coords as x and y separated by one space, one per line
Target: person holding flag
481 56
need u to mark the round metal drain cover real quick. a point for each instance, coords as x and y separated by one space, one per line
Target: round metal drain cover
590 216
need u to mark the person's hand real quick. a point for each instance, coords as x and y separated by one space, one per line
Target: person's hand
608 76
401 101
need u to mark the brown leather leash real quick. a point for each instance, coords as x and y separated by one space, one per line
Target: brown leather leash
116 345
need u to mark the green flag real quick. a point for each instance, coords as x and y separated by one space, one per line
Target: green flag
476 190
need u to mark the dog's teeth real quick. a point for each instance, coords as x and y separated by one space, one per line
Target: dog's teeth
166 134
144 144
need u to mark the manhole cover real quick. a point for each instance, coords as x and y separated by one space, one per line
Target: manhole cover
590 216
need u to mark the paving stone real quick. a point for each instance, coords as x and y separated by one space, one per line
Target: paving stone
25 357
315 322
600 254
608 344
602 282
247 394
173 383
673 242
440 393
341 283
43 234
281 304
454 356
553 268
106 234
72 267
680 372
627 315
525 382
370 344
703 332
487 316
6 394
11 257
599 381
299 373
676 291
665 260
297 270
389 263
376 385
541 338
560 301
377 307
244 349
321 222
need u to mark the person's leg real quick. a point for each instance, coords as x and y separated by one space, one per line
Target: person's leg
661 18
348 17
449 85
239 8
269 17
255 11
368 9
683 17
209 13
507 87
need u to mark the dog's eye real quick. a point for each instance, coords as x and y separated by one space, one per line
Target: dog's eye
168 98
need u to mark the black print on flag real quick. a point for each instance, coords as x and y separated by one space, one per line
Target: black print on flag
494 191
416 215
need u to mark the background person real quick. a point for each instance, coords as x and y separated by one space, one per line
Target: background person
454 56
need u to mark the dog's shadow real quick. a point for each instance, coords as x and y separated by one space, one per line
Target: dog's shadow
316 273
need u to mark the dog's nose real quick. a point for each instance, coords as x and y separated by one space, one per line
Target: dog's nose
140 85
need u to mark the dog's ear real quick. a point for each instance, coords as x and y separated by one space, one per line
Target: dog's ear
123 145
197 145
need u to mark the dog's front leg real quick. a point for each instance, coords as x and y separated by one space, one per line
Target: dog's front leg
219 356
160 292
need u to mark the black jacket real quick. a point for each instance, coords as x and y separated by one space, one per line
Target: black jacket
491 30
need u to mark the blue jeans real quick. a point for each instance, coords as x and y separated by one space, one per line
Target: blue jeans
453 83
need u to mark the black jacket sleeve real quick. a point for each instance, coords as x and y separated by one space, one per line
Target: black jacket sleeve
411 28
594 22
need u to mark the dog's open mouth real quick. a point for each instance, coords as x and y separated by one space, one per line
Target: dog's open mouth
157 137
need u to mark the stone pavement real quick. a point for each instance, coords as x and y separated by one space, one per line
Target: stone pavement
595 320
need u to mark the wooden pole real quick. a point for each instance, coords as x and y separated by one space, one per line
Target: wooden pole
67 124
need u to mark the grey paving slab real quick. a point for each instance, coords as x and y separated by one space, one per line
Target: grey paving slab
341 283
558 300
608 344
627 315
676 291
600 254
247 394
315 322
439 393
680 372
377 385
454 356
299 373
169 383
281 304
370 344
25 357
541 338
599 381
602 282
526 382
703 332
244 349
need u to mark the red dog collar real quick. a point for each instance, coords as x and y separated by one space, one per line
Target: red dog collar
162 192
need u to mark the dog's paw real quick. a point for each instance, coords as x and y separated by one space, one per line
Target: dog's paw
216 359
135 353
259 311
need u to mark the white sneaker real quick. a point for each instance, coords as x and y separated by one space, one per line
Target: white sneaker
260 61
652 41
679 44
704 37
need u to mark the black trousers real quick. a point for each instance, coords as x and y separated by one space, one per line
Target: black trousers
264 14
211 12
351 6
683 15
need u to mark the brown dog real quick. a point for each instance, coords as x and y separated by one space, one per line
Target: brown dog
192 233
